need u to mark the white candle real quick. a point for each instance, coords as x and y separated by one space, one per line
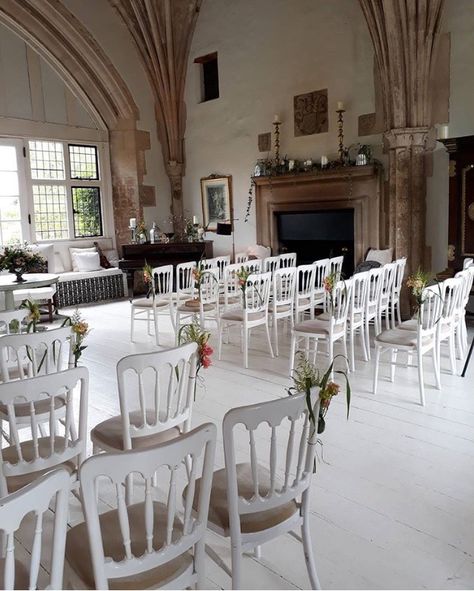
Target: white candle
276 119
340 106
195 220
443 131
324 161
133 222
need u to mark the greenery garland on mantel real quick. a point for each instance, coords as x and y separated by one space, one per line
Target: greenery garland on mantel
273 170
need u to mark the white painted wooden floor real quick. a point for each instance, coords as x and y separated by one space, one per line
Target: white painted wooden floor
393 502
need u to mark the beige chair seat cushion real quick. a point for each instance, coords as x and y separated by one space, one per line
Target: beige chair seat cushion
148 303
303 301
398 336
237 315
78 552
189 309
41 407
109 432
230 300
22 575
10 455
317 326
280 307
250 522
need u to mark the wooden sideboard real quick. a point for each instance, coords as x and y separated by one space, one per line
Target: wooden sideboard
158 254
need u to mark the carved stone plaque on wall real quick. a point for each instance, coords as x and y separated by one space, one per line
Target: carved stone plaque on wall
311 112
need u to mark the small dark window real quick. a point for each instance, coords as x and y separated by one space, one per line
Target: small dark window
209 76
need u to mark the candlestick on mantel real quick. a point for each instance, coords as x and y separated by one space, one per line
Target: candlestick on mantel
340 133
277 123
443 132
133 222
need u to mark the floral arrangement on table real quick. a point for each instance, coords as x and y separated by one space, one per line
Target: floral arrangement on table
20 259
141 231
194 333
148 279
307 376
191 230
80 329
34 315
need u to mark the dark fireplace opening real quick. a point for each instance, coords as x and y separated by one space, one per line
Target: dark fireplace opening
317 235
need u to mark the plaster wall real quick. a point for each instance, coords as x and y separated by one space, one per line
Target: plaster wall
268 52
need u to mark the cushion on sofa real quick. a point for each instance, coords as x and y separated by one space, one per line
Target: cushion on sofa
58 263
73 251
47 252
381 256
87 261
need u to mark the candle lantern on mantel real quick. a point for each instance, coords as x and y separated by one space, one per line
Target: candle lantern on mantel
340 132
277 123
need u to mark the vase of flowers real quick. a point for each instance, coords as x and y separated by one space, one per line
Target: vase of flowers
20 259
306 378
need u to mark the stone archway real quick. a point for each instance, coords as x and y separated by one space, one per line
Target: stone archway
60 38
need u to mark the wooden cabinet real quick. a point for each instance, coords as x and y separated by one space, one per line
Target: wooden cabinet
173 253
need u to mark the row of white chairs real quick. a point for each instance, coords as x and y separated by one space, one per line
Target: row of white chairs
149 543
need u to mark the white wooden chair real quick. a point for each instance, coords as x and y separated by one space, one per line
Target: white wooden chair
271 264
384 306
253 313
371 314
335 266
184 282
241 257
153 306
396 290
468 262
221 263
356 317
287 259
156 395
23 462
150 544
252 265
421 341
304 292
35 498
231 296
329 327
264 490
319 293
26 355
208 306
281 306
13 319
206 264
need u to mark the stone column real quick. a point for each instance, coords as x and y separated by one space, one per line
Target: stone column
408 148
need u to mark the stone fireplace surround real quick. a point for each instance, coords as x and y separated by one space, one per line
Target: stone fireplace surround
355 187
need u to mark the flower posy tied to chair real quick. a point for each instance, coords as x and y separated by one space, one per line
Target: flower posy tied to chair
417 283
80 330
307 376
194 333
34 315
242 275
329 283
199 272
148 280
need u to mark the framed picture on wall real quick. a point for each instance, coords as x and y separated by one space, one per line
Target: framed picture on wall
216 195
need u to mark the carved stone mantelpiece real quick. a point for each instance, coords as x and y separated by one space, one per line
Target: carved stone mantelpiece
356 187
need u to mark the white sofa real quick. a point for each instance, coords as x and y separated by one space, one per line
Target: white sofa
76 287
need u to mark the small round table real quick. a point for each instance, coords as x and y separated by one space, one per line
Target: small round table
32 280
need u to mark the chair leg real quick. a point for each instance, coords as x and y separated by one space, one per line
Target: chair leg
219 341
420 378
292 353
308 552
364 342
367 340
376 368
344 348
236 551
269 341
132 323
452 353
436 364
393 360
245 342
351 337
331 355
275 336
157 334
148 322
257 552
199 563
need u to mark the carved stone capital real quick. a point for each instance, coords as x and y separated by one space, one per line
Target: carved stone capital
410 137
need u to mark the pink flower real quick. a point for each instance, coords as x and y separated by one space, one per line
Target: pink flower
206 362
